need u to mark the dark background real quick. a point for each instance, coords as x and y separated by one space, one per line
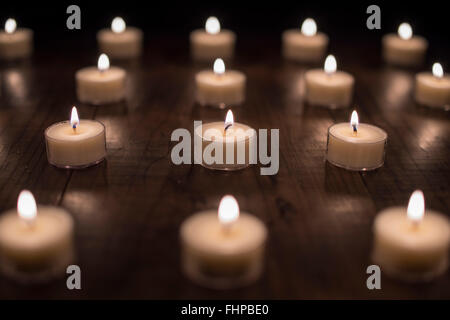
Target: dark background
341 20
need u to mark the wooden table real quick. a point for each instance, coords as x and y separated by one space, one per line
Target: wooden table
128 209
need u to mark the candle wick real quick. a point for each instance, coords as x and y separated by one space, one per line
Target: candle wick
415 225
355 130
29 223
226 128
226 228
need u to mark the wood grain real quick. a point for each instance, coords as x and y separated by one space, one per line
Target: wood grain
128 209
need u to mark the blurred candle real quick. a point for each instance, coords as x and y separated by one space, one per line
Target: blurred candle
404 48
224 248
121 41
410 243
15 43
102 84
75 143
212 42
356 146
328 87
219 87
305 44
433 89
36 242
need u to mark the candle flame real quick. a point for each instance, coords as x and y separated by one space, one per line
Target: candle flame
26 206
354 121
74 120
416 206
330 64
212 25
118 25
103 62
405 31
438 71
228 210
10 25
229 120
309 27
219 66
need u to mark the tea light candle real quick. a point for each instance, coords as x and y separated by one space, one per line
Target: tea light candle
219 88
102 84
404 49
120 41
411 244
433 89
75 144
208 44
225 145
356 146
36 242
15 43
305 44
223 249
328 87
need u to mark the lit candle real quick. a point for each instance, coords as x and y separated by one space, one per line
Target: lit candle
328 87
356 146
15 43
404 49
433 89
36 242
305 44
223 248
102 84
75 144
121 41
219 88
212 42
409 243
225 145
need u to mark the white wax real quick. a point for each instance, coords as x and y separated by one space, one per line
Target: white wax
16 45
402 52
302 48
79 148
220 90
408 251
40 249
363 151
208 47
218 257
237 139
126 44
100 87
432 91
333 90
